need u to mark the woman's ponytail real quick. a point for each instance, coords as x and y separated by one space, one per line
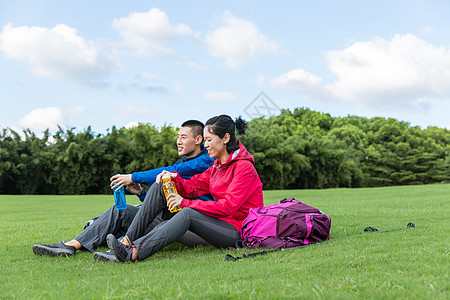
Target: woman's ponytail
241 125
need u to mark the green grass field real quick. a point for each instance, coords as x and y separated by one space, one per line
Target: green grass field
403 264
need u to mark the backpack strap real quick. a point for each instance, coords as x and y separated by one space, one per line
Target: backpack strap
285 200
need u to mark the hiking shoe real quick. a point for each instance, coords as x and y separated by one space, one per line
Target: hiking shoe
105 256
59 249
108 255
121 251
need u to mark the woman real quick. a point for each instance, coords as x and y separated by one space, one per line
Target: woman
233 182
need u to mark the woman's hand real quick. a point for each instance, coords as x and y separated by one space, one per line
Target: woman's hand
160 175
174 201
120 180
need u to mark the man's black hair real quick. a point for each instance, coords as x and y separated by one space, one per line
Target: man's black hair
196 127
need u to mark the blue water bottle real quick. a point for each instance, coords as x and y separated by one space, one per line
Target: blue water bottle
119 197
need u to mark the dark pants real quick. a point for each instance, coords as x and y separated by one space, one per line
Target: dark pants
119 221
216 232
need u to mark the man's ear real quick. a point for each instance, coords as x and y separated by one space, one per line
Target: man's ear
198 139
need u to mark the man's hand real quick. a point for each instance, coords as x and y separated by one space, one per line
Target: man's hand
172 175
135 188
174 201
121 180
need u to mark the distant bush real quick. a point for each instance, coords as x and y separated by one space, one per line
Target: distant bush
299 149
308 149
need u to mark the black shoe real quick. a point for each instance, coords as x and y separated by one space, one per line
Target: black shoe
105 256
121 251
59 249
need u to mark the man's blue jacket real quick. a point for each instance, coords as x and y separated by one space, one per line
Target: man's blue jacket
186 168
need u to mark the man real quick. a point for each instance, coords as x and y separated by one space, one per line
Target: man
194 161
190 146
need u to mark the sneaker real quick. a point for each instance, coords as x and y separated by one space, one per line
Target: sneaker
105 256
59 249
121 251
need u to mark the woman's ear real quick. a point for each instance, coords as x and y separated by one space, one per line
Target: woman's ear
226 138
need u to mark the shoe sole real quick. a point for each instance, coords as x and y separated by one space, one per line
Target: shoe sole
42 250
100 257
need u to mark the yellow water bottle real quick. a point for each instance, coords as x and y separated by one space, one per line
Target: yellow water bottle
169 188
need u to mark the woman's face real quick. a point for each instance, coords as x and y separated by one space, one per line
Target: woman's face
215 145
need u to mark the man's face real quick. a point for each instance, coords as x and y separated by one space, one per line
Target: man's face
186 142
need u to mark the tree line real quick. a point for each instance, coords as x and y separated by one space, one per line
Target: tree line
294 150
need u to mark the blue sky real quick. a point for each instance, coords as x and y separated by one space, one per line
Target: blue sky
105 63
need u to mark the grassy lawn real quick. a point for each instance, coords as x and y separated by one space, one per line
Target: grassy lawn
403 264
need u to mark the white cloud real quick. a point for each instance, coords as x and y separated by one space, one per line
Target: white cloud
300 81
57 52
132 124
213 95
179 87
196 66
43 118
145 75
379 72
427 30
148 32
238 41
403 68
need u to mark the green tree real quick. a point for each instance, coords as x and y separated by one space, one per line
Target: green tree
82 162
24 163
296 149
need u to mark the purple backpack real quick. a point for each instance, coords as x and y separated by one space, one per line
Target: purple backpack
290 223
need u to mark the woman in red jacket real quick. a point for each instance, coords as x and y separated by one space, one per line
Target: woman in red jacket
233 182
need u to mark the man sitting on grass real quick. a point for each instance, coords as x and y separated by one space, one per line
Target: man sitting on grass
194 161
